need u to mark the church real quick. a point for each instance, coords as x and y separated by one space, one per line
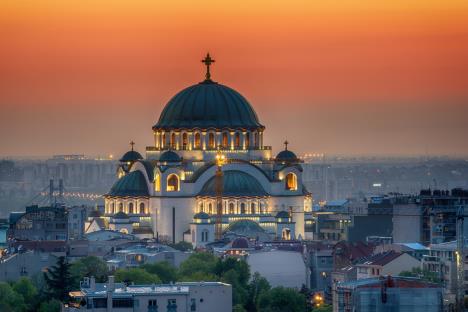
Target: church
171 193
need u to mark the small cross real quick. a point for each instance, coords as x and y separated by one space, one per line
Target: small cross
208 61
286 145
132 143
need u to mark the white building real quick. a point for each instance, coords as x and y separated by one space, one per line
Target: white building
179 297
175 181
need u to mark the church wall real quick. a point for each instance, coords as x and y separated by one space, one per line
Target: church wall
184 211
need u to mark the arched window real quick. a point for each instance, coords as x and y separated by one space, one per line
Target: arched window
157 183
120 207
130 208
255 142
184 141
290 182
200 207
111 208
225 139
210 208
211 141
204 236
142 208
173 140
237 139
242 208
172 183
247 140
252 208
231 208
197 140
163 140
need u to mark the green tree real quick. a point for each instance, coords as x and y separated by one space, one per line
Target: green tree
425 275
50 306
10 301
281 299
136 276
28 291
198 262
87 267
164 270
238 308
59 280
257 286
323 308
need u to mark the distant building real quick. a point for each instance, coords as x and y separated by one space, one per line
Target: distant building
386 263
383 294
179 297
26 264
414 249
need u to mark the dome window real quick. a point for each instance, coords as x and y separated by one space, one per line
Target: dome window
130 208
252 208
163 141
173 183
142 208
197 140
225 140
237 139
210 208
247 140
157 183
290 182
173 140
231 208
211 141
184 141
242 208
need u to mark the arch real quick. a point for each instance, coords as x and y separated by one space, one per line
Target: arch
142 208
225 141
173 140
200 207
247 140
111 210
130 208
252 208
211 140
242 208
231 208
184 141
197 143
120 207
173 183
157 182
210 208
290 182
237 139
286 234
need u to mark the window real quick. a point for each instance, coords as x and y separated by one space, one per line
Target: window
130 208
171 305
157 183
173 140
225 139
193 304
247 140
120 207
197 140
255 139
142 208
291 182
152 305
231 208
211 141
237 139
122 303
242 208
210 208
204 236
163 143
173 183
200 207
111 208
184 141
252 208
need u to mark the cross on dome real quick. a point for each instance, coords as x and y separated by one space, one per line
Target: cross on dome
208 61
132 144
286 145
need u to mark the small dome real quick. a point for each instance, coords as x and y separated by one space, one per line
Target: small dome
235 183
169 156
131 156
120 215
282 214
287 156
248 228
131 184
201 215
240 243
208 105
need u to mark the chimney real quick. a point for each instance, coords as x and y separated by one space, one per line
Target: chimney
111 283
92 284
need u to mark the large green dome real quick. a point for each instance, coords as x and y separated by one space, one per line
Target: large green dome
235 183
131 184
208 105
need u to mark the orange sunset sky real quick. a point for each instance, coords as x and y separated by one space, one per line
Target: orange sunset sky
331 76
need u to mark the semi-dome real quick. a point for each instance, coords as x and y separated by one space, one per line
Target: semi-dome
131 156
131 184
120 215
169 156
201 216
235 183
248 228
208 105
282 215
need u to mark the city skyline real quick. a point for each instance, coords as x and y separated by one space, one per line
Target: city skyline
348 77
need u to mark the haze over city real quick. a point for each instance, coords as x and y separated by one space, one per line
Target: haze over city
335 77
